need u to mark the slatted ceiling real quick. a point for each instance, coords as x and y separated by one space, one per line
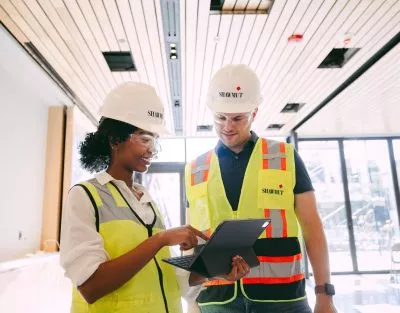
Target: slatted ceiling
277 35
16 31
157 44
253 38
116 24
85 37
241 5
244 36
71 36
247 27
329 28
190 49
372 77
373 98
49 34
182 20
201 40
233 40
213 25
228 5
266 33
282 49
131 33
317 36
222 40
51 54
104 22
265 5
75 42
371 42
252 5
92 22
132 19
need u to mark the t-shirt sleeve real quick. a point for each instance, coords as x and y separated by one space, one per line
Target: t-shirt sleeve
303 180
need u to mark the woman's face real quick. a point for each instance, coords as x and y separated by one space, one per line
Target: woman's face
136 153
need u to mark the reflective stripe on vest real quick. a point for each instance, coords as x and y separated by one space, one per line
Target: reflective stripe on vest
200 168
272 270
274 155
278 226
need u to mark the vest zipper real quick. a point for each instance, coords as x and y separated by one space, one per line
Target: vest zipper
160 274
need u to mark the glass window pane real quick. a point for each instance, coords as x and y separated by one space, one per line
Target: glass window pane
323 164
167 199
172 150
396 148
198 146
372 202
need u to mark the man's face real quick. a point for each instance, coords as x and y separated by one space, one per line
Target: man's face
234 128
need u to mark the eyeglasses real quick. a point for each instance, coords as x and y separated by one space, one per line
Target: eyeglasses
235 119
150 141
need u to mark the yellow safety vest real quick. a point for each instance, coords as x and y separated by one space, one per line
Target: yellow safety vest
154 288
267 191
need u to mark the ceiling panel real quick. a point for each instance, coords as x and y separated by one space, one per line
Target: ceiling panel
369 106
71 36
289 71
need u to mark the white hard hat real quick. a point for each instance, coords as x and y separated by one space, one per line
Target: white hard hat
136 104
234 89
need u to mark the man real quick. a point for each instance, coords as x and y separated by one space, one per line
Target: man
250 177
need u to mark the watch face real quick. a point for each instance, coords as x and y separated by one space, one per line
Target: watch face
330 289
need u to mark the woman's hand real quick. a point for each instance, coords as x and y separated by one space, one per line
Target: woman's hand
184 236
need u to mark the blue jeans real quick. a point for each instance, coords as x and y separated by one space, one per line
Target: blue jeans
243 305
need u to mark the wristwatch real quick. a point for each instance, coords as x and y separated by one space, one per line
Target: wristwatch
327 289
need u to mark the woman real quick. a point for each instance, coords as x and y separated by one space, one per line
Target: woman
113 239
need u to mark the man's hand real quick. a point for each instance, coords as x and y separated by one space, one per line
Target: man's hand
324 304
239 269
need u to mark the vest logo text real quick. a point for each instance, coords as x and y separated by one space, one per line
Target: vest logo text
271 191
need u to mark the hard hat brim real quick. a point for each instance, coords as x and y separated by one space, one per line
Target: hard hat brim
157 129
226 107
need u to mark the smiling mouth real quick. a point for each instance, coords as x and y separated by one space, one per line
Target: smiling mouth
229 135
146 160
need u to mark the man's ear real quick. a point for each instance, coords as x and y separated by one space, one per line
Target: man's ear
254 113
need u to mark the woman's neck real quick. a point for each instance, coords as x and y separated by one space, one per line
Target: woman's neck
121 174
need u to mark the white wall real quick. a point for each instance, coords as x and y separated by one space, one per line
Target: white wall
26 92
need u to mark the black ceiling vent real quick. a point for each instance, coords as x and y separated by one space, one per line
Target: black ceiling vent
274 126
204 128
121 61
216 5
292 107
337 58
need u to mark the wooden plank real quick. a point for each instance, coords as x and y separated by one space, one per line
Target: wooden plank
53 180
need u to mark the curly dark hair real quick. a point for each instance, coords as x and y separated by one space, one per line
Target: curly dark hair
95 149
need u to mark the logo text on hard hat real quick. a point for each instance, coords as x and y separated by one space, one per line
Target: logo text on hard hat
228 94
155 114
